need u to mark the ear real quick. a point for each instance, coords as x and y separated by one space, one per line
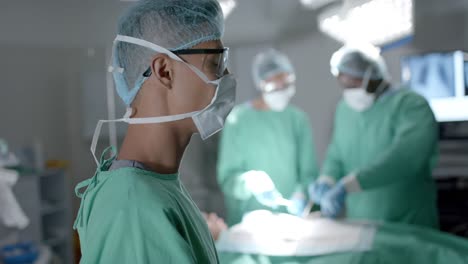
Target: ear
162 69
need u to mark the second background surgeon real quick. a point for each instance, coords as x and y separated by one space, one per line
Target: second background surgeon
267 152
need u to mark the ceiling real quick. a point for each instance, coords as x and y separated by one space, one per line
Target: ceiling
90 23
268 20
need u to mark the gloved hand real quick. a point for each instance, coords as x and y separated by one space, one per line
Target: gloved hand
317 190
262 187
269 198
298 204
333 202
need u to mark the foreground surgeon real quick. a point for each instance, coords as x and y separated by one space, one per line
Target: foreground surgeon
384 147
267 153
135 209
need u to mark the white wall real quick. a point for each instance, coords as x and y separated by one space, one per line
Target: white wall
77 65
241 66
31 100
61 23
41 92
317 91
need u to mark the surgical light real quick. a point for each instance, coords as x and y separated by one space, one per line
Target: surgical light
316 4
375 21
227 6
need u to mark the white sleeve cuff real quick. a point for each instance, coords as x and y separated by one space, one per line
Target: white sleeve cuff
351 183
326 179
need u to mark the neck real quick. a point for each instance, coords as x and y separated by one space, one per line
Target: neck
158 146
260 104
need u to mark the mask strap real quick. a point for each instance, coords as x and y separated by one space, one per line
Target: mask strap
147 44
112 69
165 119
135 121
160 119
366 78
380 89
381 86
97 132
171 118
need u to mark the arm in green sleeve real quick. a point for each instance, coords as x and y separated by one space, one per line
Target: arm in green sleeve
414 144
231 164
307 160
333 164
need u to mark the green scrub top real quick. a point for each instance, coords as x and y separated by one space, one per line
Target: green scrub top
279 143
393 149
130 215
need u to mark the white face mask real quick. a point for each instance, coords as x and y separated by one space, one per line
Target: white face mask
279 100
208 121
358 99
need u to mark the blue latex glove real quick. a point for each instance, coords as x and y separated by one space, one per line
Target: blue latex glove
269 198
333 202
297 206
317 190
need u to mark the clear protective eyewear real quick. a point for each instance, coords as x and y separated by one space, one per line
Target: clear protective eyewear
216 65
274 86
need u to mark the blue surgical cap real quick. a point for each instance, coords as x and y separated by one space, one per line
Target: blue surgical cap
268 64
172 24
356 60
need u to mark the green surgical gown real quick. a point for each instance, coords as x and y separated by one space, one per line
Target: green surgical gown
393 148
131 215
279 143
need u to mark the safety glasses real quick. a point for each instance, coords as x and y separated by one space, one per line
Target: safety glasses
215 61
274 86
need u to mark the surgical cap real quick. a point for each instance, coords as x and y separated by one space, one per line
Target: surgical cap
356 60
268 64
172 24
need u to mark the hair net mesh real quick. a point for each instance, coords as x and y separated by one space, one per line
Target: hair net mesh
356 60
172 24
268 64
